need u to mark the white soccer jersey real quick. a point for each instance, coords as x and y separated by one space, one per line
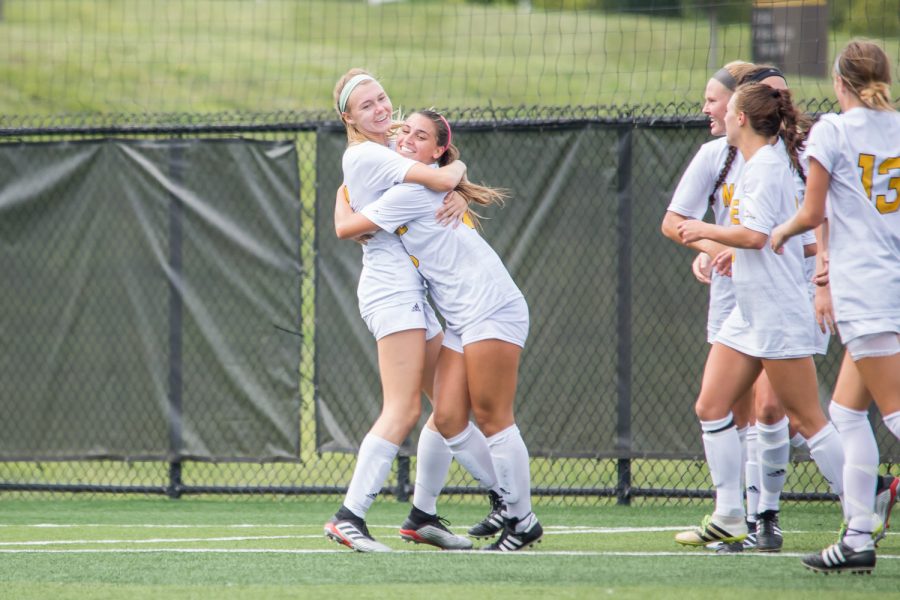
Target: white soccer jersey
861 151
466 278
691 200
773 315
807 237
388 277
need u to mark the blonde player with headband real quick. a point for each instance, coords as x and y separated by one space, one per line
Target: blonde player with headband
709 183
486 314
392 302
854 181
772 325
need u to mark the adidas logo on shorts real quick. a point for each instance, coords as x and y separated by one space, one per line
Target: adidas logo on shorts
416 308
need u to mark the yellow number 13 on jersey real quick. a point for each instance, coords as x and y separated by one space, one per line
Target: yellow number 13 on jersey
867 164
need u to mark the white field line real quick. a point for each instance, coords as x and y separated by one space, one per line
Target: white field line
537 554
161 540
548 529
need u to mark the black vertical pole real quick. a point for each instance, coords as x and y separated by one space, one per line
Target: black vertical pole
176 313
623 312
403 485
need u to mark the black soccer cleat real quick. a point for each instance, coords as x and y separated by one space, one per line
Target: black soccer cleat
347 529
423 528
511 540
840 557
768 533
492 523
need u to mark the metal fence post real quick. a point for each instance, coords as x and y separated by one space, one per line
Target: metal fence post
403 485
176 330
623 312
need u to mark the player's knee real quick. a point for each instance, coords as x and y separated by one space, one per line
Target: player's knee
405 415
449 423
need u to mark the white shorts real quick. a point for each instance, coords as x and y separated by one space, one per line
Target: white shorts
875 344
851 330
414 315
509 323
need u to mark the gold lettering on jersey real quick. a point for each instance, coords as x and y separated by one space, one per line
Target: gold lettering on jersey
401 230
727 194
883 203
735 205
414 260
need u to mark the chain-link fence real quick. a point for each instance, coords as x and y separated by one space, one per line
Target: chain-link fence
180 318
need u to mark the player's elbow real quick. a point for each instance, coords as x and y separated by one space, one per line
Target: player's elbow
757 242
669 228
342 231
445 183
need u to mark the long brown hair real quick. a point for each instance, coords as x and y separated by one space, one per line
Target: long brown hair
771 112
866 71
472 192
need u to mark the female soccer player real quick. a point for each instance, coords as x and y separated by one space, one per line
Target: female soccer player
708 183
772 326
854 179
392 303
486 315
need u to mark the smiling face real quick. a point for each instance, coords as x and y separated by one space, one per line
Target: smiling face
417 139
369 110
715 103
732 121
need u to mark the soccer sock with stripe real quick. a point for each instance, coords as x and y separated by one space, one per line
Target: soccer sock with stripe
860 471
826 450
511 463
723 456
433 460
774 449
470 449
373 463
893 423
751 474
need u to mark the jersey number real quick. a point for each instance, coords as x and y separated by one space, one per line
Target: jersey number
867 164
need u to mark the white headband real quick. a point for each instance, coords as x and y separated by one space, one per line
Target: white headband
349 87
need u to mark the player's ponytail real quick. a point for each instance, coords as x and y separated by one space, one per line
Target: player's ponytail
866 72
791 132
472 192
771 112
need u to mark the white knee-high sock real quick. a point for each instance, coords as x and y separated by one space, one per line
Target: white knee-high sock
742 436
860 471
774 454
893 423
433 460
723 455
470 449
511 463
798 442
751 474
826 450
373 463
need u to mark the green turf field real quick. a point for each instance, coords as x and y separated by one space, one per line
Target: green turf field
270 548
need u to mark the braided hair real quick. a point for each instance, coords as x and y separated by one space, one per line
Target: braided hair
729 159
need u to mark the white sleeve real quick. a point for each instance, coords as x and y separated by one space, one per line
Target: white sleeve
382 166
398 206
758 200
823 142
691 197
